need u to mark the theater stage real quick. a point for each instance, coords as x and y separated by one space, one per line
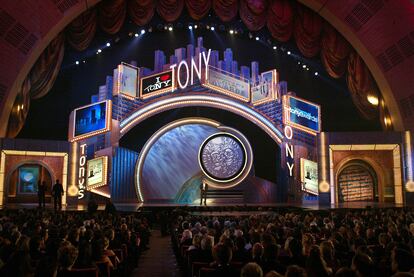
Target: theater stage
218 207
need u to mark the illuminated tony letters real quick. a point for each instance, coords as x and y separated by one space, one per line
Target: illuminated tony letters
82 171
188 77
289 149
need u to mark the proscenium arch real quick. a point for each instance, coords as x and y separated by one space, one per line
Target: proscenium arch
168 103
317 5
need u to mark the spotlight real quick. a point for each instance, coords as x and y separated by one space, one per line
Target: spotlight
190 27
170 28
316 73
142 31
99 51
231 32
150 29
288 52
307 68
304 66
212 28
136 35
84 61
257 38
298 62
195 26
274 47
77 62
108 44
208 27
250 35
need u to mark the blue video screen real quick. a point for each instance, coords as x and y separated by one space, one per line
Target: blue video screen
28 178
304 114
90 119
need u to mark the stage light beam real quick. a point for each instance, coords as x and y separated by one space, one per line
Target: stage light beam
142 31
136 35
190 27
108 44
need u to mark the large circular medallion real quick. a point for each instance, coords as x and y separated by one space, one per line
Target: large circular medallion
222 157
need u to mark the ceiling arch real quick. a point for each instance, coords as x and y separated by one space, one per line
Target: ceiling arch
381 31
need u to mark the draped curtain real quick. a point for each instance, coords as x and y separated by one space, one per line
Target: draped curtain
284 19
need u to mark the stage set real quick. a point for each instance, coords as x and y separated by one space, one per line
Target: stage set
191 148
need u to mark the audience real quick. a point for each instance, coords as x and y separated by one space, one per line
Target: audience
374 242
42 243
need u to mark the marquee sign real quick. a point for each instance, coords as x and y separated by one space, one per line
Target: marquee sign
91 120
82 171
309 176
97 173
266 90
228 83
126 80
301 114
156 84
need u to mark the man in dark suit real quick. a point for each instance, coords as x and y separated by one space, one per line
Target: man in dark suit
41 190
203 193
57 192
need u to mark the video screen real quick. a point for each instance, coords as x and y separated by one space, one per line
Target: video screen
127 78
96 171
28 178
303 113
91 118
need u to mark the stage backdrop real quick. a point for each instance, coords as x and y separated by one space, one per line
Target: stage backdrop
171 171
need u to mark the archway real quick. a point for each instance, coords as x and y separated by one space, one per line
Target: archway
357 181
23 180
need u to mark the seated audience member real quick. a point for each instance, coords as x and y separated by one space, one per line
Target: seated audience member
295 271
345 272
257 253
206 254
67 255
363 265
315 265
194 252
186 238
273 274
240 254
328 254
222 258
19 262
270 261
251 270
401 260
294 249
108 252
307 242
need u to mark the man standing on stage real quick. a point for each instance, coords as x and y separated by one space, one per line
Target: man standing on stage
41 190
203 193
57 192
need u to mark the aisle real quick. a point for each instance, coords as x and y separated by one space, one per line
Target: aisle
159 260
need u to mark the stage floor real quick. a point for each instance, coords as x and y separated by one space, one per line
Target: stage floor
131 207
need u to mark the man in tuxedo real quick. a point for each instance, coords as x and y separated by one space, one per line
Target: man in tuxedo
203 193
57 192
41 190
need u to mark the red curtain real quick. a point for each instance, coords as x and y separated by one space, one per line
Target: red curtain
198 8
111 15
253 13
335 52
46 69
20 110
226 10
307 31
141 11
280 20
361 85
170 10
81 31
